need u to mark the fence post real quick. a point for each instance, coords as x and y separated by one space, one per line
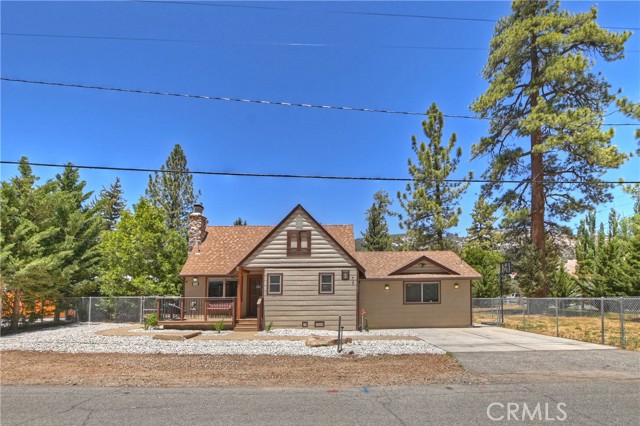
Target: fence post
141 309
622 336
557 320
602 318
524 319
90 308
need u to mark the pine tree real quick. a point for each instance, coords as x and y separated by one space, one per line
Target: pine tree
431 203
541 88
240 222
171 190
483 231
111 204
606 256
377 237
29 268
78 236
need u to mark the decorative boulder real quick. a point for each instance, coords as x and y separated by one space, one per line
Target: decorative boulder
318 341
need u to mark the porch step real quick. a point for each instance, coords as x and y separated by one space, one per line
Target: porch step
246 324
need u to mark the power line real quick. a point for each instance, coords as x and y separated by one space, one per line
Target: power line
347 12
253 101
290 176
255 43
250 43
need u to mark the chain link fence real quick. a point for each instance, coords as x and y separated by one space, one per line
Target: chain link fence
112 309
607 320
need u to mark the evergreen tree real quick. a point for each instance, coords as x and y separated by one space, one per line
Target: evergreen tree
431 203
606 257
487 263
141 256
483 231
171 190
29 268
240 222
111 204
541 88
377 237
78 235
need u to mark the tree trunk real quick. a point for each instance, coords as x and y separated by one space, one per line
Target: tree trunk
15 316
537 186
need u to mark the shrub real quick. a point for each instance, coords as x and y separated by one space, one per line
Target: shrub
268 327
151 320
366 324
219 326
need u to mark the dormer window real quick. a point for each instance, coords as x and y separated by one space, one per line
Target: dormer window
298 243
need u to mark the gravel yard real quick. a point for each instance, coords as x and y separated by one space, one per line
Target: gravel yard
87 338
116 355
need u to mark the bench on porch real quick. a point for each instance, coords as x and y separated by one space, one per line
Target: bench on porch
219 307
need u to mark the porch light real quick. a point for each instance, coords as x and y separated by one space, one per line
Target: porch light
455 285
195 282
386 286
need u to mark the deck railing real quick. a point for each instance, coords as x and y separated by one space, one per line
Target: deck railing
205 309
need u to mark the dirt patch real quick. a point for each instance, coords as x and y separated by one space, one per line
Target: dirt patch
49 368
584 329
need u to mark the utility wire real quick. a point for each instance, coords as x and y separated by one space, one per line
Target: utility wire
290 176
255 43
253 101
347 12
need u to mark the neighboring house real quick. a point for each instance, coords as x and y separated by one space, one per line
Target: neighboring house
300 273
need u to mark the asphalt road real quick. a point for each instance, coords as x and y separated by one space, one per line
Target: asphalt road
575 387
587 403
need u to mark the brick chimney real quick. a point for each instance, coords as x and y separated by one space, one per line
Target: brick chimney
197 227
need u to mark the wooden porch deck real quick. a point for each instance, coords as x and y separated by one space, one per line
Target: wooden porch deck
203 314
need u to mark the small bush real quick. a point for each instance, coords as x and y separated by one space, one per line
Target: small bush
366 324
151 320
219 326
268 326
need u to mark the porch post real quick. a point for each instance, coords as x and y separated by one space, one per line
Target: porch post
238 312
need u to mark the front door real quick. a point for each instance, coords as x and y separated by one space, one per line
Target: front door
255 292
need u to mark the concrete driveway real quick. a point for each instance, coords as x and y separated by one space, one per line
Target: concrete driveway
497 339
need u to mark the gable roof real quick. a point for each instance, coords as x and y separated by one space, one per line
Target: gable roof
349 246
225 247
222 249
391 264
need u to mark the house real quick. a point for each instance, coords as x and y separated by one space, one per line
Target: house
300 273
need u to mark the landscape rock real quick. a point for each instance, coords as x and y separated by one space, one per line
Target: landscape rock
318 341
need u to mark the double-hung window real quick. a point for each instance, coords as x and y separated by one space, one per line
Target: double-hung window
274 283
326 283
421 292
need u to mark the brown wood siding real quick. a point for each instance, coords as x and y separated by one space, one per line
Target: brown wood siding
386 308
300 300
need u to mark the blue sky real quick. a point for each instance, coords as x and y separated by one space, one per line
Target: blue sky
248 50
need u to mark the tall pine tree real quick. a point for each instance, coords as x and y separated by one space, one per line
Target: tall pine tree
546 109
376 237
171 190
29 264
431 203
111 204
